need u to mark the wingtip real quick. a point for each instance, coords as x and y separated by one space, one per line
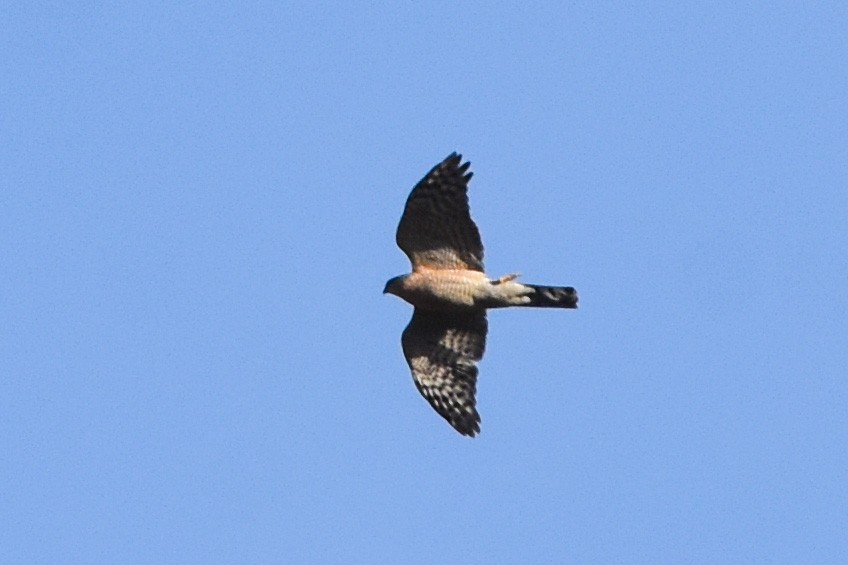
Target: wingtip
467 427
455 160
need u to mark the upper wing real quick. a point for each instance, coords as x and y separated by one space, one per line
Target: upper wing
436 229
442 350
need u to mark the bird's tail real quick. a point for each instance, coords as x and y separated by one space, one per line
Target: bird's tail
552 296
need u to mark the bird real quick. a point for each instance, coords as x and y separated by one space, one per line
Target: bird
451 293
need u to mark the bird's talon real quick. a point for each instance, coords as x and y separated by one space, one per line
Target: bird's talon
508 278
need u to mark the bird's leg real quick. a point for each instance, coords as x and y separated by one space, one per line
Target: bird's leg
507 278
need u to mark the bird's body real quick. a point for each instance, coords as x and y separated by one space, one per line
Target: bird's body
451 293
444 290
451 289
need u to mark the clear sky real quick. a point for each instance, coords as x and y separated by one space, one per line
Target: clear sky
197 216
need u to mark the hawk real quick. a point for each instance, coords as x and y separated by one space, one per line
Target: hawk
451 293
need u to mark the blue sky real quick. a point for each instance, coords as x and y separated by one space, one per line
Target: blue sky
198 206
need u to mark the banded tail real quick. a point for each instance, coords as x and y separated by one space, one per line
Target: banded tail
552 296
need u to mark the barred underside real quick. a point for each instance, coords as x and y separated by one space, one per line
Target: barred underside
442 352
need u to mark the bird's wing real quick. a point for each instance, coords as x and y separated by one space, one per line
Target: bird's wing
436 229
442 351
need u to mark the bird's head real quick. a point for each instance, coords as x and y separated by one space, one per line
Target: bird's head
394 285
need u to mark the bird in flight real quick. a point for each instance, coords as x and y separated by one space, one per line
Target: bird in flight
451 293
